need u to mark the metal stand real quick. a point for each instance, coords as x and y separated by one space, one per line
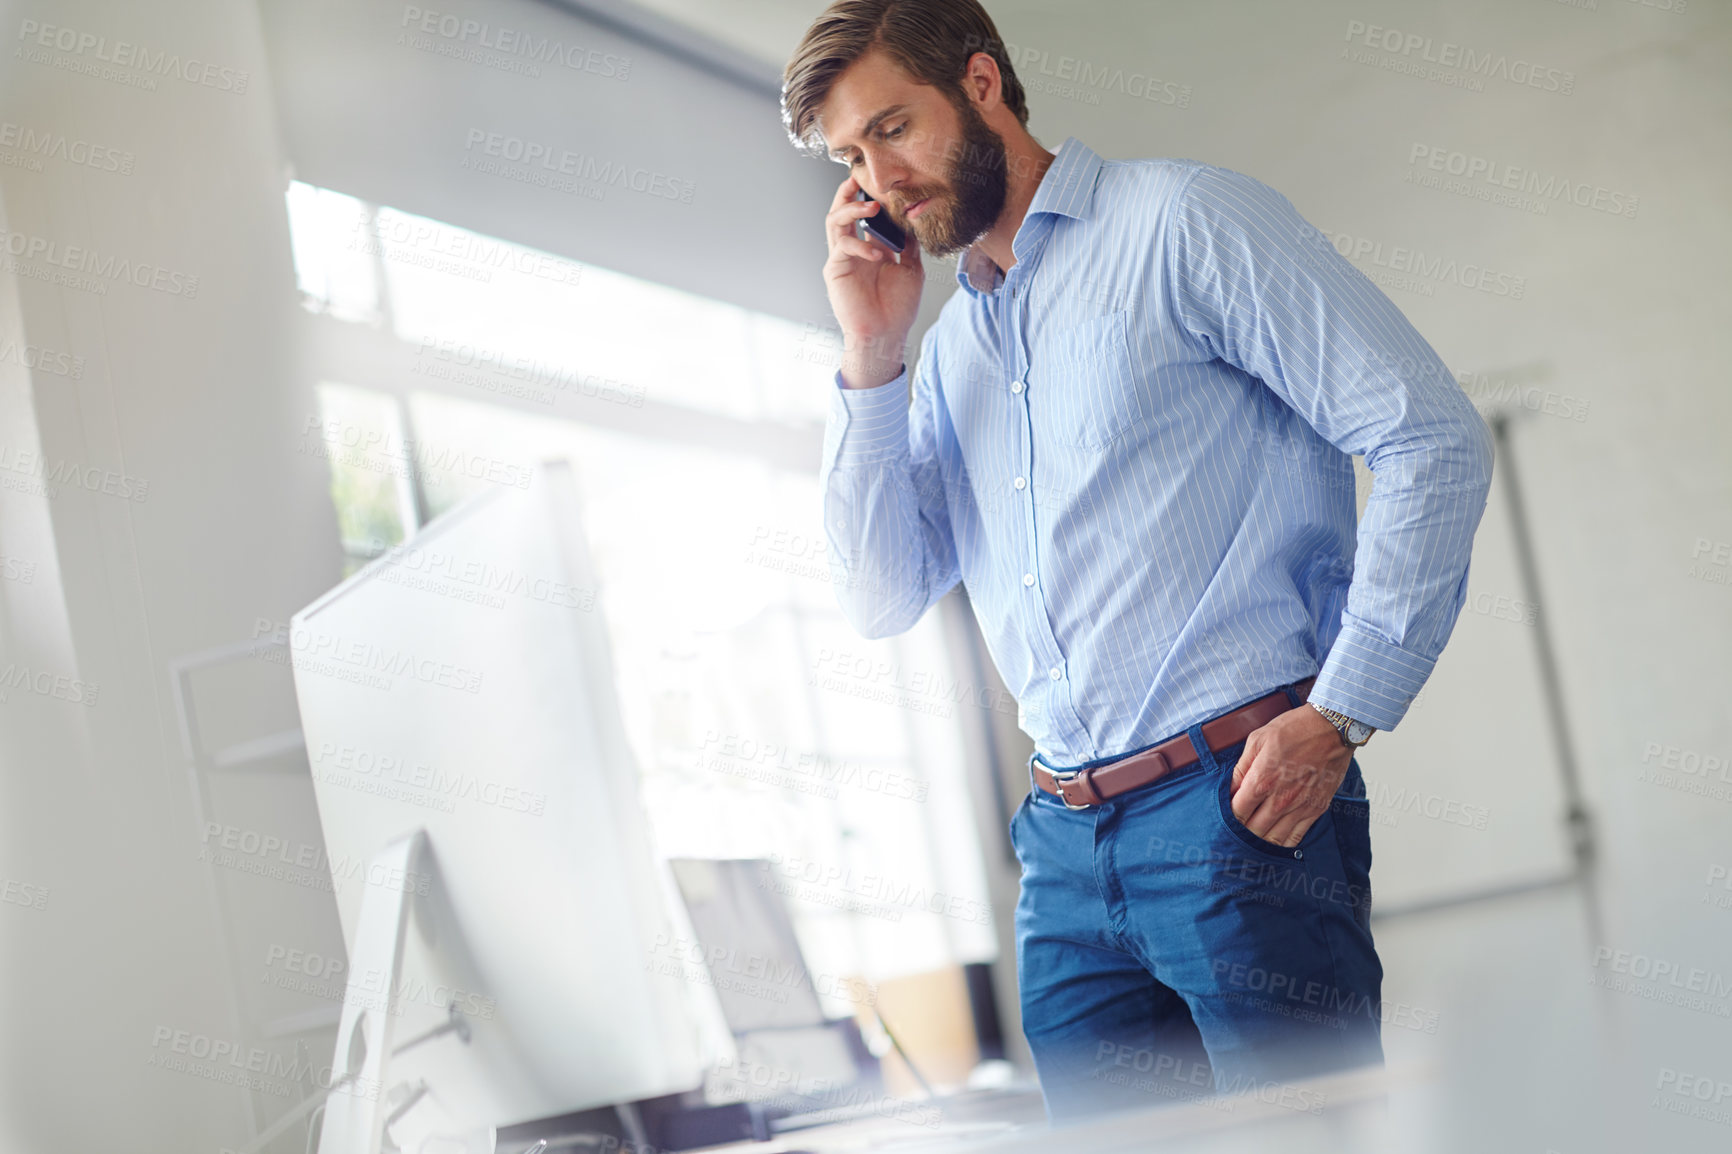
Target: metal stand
355 1121
456 1025
1576 816
358 1121
1578 821
273 753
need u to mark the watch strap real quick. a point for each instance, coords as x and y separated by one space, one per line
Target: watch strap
1342 722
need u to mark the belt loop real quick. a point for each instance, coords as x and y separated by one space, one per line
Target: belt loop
1205 755
1293 697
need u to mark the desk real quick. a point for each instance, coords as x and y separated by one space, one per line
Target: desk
1352 1117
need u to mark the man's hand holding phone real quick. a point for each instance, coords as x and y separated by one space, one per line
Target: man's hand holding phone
874 292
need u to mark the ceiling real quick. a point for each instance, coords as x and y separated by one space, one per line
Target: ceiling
766 30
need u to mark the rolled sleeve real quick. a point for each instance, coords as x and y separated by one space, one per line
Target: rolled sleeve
1370 679
1261 288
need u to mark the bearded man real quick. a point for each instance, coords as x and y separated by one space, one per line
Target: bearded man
1130 434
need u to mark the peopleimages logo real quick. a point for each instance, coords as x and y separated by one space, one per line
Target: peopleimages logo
1526 181
748 756
23 894
582 166
520 367
15 678
1448 54
515 42
366 662
252 1067
1662 980
42 360
123 54
1693 1096
368 447
44 144
1427 267
100 265
1081 77
392 235
825 883
51 475
373 772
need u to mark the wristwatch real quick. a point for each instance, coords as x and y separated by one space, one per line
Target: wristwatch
1353 733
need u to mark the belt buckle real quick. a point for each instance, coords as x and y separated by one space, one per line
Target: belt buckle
1059 779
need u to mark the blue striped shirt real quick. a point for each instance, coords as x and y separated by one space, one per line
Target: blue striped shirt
1134 449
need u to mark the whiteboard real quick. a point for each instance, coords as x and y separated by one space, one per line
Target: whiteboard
1467 792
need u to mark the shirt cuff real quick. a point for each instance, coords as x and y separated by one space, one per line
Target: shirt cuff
869 423
1369 679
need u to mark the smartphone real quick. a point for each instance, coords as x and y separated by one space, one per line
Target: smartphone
880 226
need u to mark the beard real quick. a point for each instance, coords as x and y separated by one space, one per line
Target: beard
974 191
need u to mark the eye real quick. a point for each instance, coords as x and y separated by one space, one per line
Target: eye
894 132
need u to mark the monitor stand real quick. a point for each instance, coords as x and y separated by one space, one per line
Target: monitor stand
359 1111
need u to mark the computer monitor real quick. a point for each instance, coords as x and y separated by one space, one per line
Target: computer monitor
739 920
493 867
784 1042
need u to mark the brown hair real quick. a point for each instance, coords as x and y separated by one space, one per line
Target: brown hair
932 40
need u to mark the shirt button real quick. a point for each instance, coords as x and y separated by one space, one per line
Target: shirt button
1016 386
1055 673
841 524
1028 578
1021 483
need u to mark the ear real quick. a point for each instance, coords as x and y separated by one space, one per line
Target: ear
983 82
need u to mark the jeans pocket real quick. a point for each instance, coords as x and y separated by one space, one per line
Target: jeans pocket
1014 819
1242 832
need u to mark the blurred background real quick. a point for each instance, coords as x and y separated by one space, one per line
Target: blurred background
283 281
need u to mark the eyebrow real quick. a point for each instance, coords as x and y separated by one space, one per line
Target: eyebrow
876 120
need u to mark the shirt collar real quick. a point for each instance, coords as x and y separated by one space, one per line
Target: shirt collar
1066 189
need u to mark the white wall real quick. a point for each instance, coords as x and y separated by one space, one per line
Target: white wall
196 396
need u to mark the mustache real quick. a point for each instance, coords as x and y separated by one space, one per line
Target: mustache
909 202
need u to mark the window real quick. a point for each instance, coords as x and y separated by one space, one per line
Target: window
763 725
373 481
336 273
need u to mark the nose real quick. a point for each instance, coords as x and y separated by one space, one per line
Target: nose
885 176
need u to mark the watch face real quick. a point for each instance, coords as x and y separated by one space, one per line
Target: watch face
1358 732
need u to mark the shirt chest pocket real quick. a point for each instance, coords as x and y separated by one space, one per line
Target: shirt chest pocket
1083 384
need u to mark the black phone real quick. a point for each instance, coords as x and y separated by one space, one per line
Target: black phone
880 226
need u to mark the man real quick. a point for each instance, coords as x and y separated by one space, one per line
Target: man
1130 436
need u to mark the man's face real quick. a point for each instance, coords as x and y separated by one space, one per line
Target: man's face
906 143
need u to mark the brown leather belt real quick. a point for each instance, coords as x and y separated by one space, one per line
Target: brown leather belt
1080 789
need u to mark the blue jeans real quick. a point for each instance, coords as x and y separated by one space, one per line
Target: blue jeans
1166 952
